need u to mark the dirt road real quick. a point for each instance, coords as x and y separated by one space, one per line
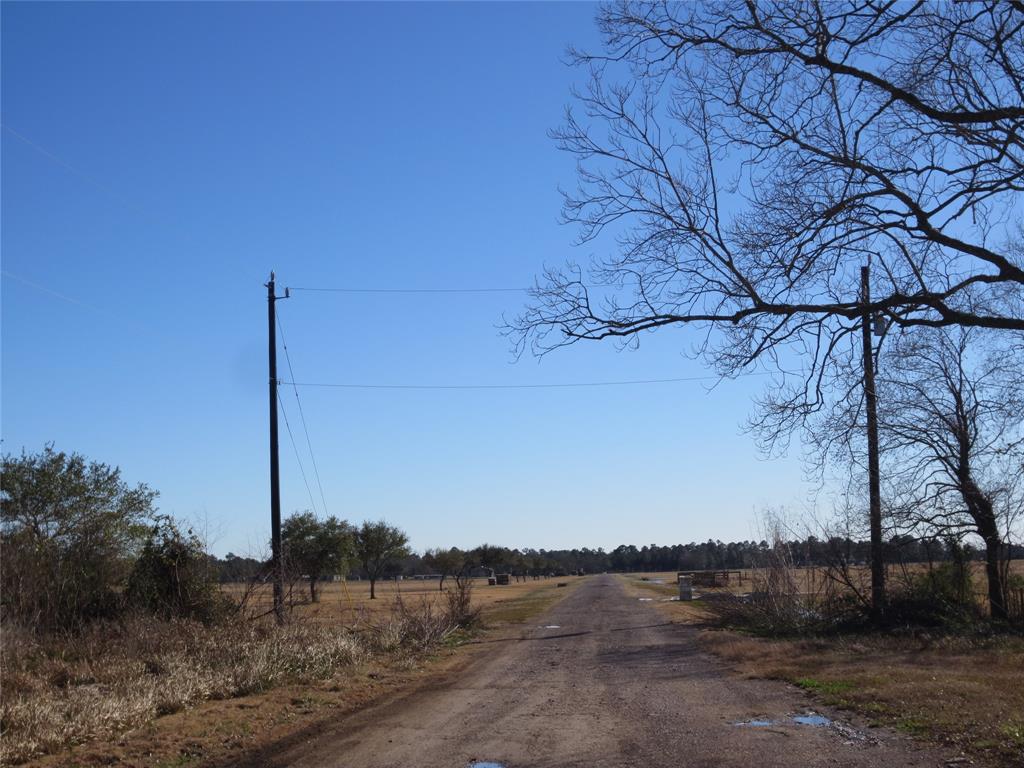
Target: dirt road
600 680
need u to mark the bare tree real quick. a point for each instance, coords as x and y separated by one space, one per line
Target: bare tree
750 156
953 441
951 434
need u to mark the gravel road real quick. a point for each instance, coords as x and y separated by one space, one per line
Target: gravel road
601 679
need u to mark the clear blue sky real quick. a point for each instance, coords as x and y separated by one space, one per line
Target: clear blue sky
167 156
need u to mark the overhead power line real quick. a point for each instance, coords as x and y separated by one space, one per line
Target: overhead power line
567 385
49 291
302 415
295 448
412 290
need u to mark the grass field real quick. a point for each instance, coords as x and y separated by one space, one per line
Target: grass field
349 602
966 691
810 580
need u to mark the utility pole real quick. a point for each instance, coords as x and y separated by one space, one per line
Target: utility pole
874 475
277 563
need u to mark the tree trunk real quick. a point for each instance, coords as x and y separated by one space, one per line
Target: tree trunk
314 594
440 586
996 588
373 586
980 508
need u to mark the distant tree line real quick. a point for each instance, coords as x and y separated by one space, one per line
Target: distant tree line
708 555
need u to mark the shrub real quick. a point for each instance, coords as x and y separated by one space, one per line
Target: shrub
422 624
776 606
942 596
174 578
460 606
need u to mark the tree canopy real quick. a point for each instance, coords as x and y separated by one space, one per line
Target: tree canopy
317 549
378 545
748 158
70 529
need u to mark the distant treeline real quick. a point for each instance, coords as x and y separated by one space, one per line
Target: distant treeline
708 555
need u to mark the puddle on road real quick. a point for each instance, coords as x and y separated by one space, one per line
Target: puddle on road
546 626
645 599
819 720
485 764
808 719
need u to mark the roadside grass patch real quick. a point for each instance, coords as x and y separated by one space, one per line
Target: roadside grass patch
669 590
1014 731
523 607
913 727
962 691
831 688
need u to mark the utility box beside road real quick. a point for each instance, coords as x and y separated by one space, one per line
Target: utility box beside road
685 588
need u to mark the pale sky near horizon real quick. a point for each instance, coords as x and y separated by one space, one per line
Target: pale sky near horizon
160 159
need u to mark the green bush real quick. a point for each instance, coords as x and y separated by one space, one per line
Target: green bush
942 596
69 530
174 577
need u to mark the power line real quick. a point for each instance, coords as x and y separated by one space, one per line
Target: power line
50 291
302 416
413 290
567 385
122 199
296 449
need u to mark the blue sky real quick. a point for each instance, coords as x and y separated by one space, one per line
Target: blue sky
160 159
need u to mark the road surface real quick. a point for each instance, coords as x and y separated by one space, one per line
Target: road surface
600 680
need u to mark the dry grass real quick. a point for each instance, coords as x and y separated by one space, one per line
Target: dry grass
967 693
116 678
810 580
60 691
350 603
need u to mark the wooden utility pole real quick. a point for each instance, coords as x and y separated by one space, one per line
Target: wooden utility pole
874 475
277 564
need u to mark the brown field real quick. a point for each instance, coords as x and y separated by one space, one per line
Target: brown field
962 691
349 602
811 579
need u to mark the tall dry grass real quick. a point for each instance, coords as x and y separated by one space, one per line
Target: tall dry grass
61 690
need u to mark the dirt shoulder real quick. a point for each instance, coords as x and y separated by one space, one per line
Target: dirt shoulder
226 732
965 693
